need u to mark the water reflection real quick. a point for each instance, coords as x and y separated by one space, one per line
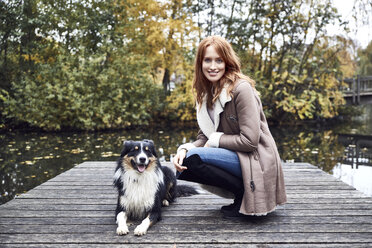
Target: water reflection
357 150
358 178
312 145
29 159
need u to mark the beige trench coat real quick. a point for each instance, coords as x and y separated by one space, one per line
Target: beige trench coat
240 125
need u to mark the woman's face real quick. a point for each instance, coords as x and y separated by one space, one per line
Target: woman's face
213 66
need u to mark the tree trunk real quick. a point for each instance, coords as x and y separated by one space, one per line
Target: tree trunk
166 80
211 15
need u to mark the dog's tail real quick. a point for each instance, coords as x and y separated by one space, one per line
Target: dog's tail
185 190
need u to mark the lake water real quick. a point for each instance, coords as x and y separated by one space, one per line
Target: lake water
28 159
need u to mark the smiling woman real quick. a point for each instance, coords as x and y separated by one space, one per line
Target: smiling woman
213 65
234 146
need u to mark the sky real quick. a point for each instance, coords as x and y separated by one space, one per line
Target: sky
363 34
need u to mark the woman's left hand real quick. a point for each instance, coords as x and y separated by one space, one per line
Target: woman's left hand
178 160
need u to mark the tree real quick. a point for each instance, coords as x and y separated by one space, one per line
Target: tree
9 23
95 64
75 71
283 45
365 60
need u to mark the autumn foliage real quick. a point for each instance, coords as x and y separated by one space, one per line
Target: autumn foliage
108 64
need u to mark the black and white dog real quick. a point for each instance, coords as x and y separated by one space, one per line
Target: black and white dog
143 185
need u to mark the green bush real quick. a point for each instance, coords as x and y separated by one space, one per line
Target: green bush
93 92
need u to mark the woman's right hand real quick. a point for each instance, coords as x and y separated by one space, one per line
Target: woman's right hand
178 160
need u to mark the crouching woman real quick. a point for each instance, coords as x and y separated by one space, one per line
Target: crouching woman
234 154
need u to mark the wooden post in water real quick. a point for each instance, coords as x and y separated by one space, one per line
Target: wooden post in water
353 88
358 89
357 153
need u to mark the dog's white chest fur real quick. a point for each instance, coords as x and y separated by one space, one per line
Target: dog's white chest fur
140 191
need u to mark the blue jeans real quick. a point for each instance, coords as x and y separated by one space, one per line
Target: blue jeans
220 157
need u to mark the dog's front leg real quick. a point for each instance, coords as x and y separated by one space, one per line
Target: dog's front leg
151 219
141 229
121 220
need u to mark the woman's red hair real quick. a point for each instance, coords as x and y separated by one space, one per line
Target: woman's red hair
201 85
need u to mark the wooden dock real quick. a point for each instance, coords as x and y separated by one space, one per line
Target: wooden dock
76 209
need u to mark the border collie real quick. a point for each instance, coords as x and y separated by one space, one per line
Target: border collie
143 186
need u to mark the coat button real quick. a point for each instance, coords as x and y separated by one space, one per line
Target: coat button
255 155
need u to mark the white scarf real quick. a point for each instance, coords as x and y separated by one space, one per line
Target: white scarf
202 116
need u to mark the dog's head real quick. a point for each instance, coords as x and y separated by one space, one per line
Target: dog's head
138 155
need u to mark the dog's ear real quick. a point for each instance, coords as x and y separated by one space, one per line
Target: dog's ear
148 141
151 146
127 144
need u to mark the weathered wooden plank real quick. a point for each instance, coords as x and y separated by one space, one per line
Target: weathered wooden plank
183 245
206 220
108 178
111 192
109 183
100 201
109 166
108 170
291 197
89 164
180 205
106 187
106 173
112 195
192 228
197 238
208 210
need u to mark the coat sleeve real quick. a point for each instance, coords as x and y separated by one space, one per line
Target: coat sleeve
248 114
200 141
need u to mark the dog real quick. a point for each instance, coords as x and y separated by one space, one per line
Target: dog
143 186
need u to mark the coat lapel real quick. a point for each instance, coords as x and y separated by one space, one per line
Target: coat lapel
202 116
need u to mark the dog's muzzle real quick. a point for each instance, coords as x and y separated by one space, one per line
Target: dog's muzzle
141 167
140 164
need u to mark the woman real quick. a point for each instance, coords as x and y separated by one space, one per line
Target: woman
234 153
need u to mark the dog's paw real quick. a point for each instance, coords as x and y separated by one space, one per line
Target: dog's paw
122 230
140 230
165 203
